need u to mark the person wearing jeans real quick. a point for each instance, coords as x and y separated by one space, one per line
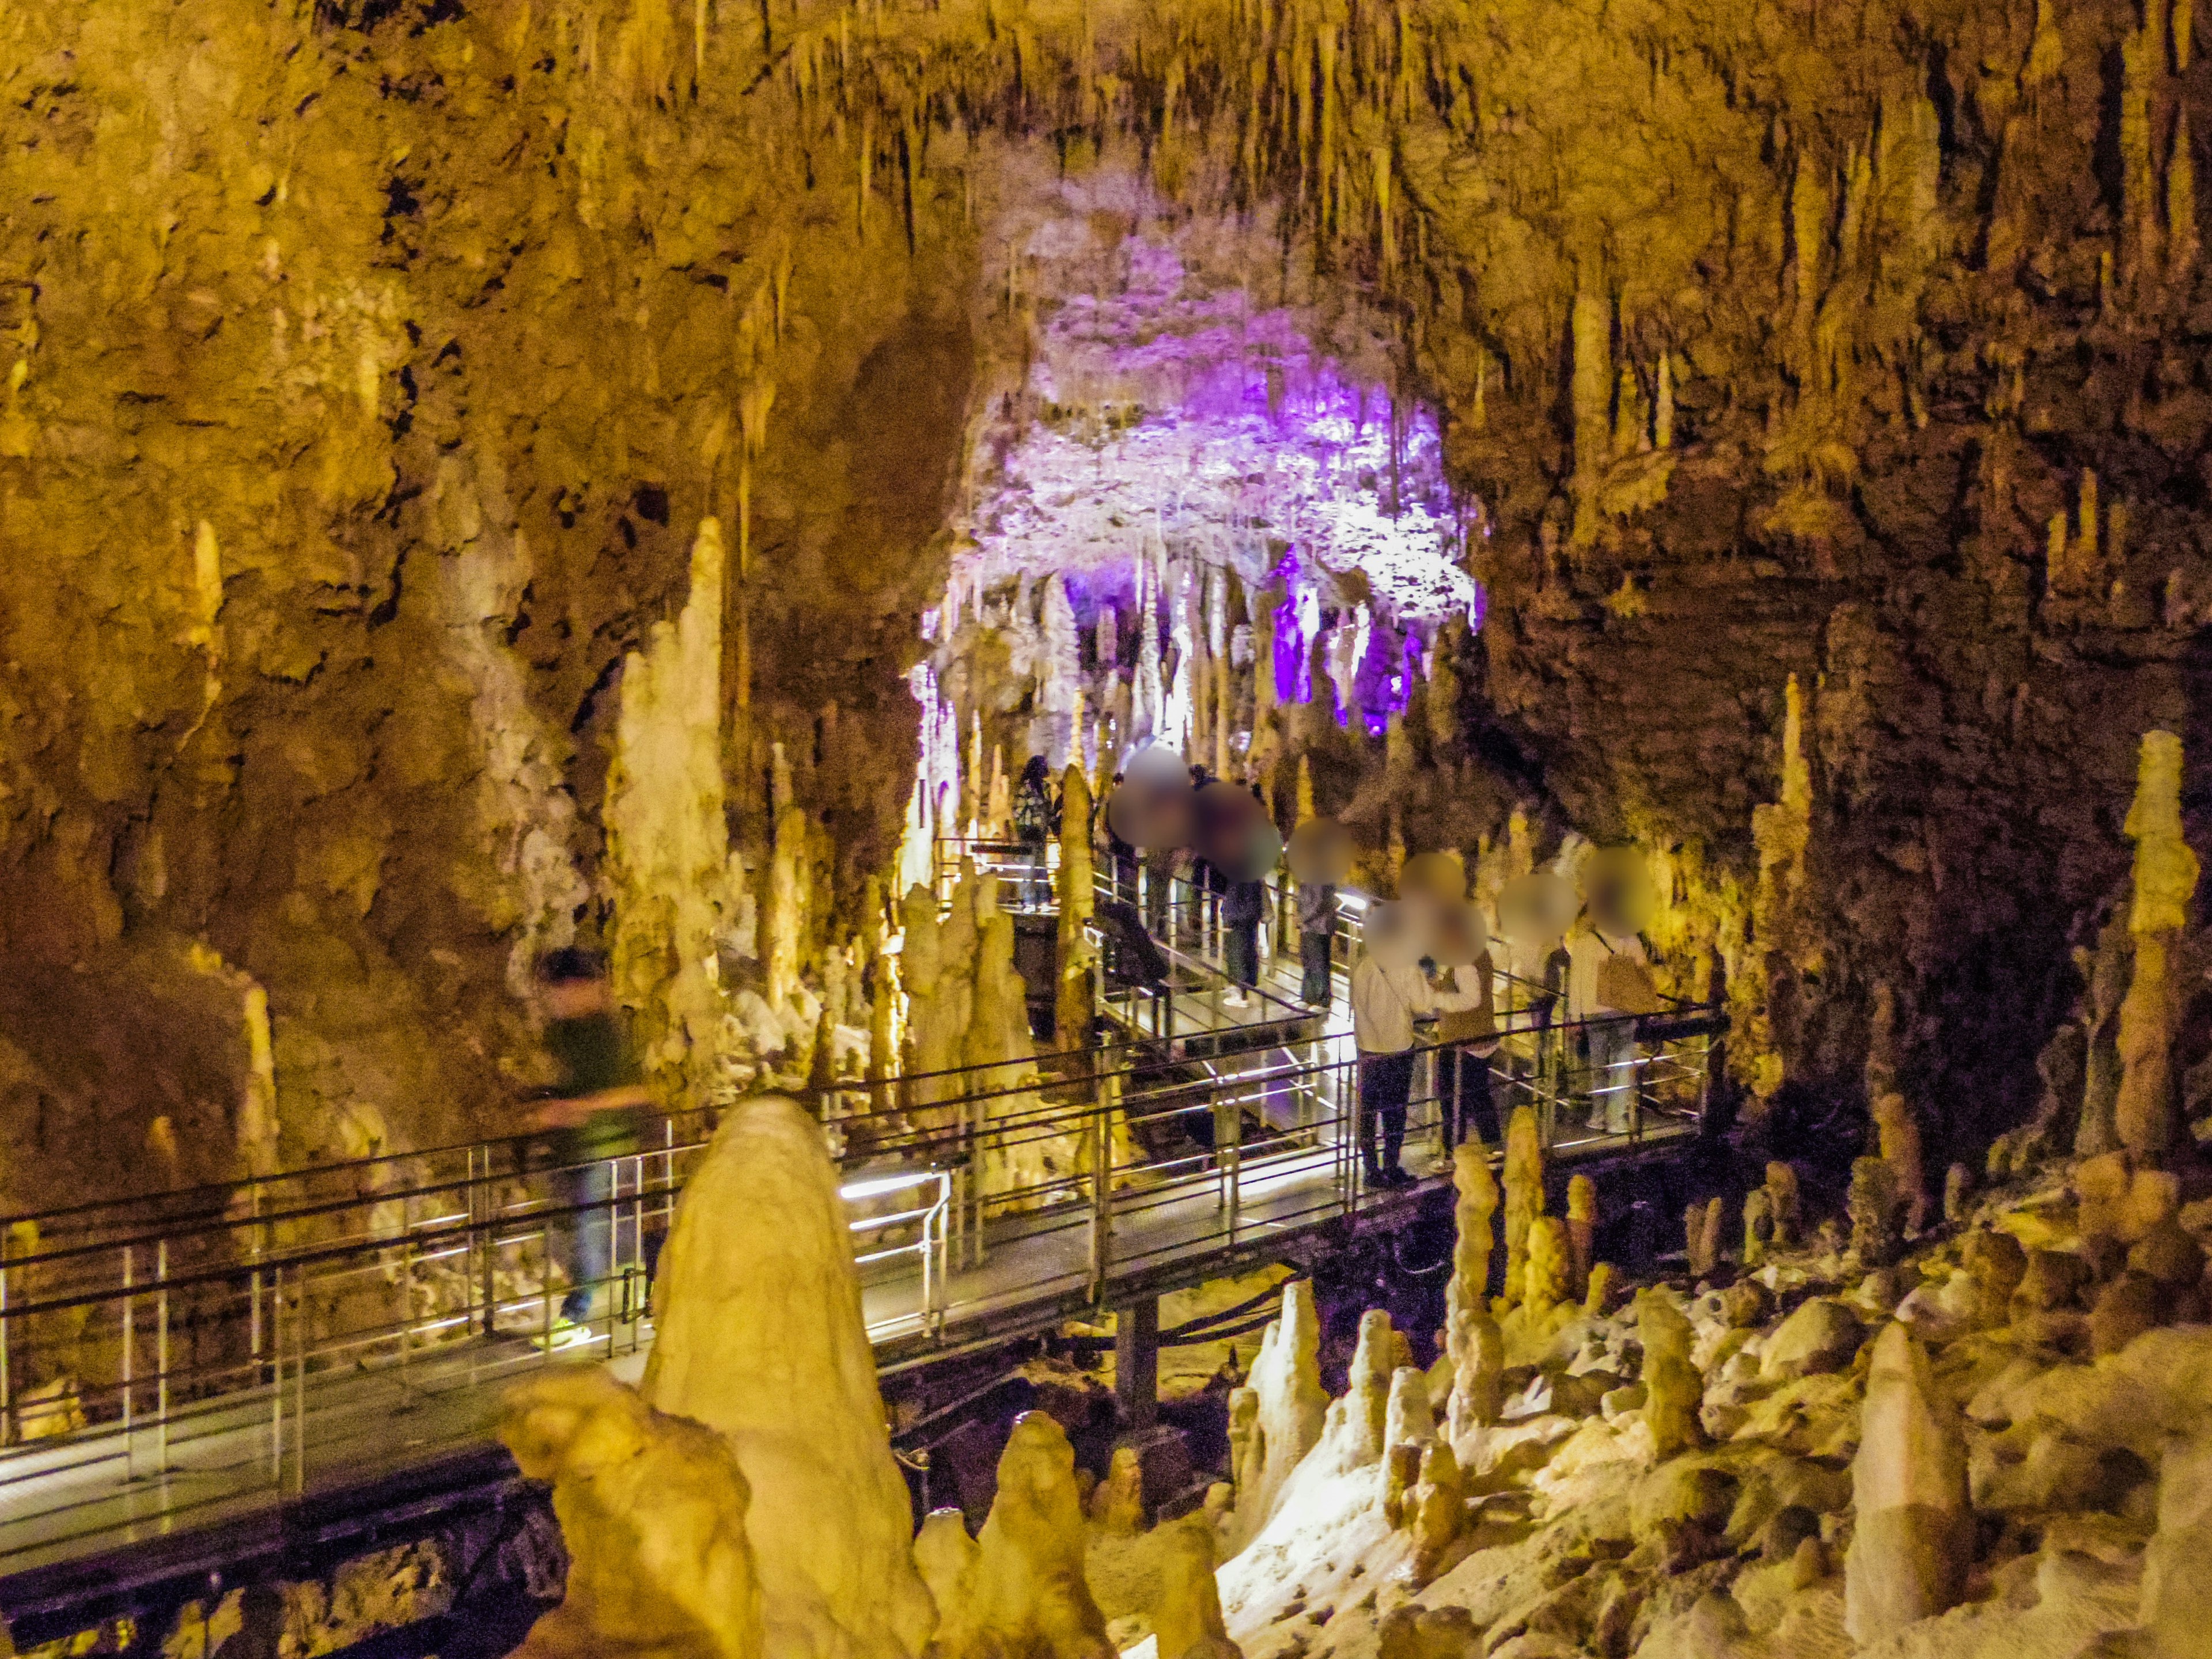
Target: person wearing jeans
1242 908
1610 1034
1317 910
591 1118
1385 1002
1463 1099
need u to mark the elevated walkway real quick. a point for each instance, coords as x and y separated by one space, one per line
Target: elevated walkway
248 1353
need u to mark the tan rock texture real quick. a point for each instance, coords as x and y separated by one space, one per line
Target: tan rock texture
761 1340
369 365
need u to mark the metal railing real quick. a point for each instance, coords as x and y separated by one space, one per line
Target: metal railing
221 1339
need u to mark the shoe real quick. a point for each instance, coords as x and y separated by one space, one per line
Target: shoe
566 1333
1235 999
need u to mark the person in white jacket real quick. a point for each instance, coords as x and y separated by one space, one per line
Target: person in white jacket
1385 1003
1610 1080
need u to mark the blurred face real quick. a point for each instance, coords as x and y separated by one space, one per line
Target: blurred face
574 998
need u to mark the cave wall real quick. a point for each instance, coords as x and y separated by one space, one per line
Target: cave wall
373 366
371 363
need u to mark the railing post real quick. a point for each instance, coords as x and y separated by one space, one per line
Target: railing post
6 1387
161 1354
130 1356
253 1282
300 1394
1101 1189
277 1393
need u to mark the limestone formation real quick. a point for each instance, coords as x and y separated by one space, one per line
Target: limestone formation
1672 1389
1582 1232
1913 1542
1025 1592
1599 1299
1997 1264
1188 1622
1466 1293
1072 1010
761 1340
1899 1133
1524 1193
1353 1430
1702 1225
1782 1196
1874 1211
1436 1508
1958 1191
1286 1411
1117 1503
1478 1393
653 1513
1549 1273
2147 1110
1758 1226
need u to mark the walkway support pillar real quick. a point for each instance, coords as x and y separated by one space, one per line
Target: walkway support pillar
1137 1362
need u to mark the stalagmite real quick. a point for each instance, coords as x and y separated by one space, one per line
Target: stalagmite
653 1512
1549 1270
1701 1227
1758 1226
1873 1201
1524 1193
1352 1432
2165 870
1913 1542
1477 1190
761 1340
1287 1410
1188 1623
1026 1592
1899 1133
1782 1193
1436 1508
1672 1390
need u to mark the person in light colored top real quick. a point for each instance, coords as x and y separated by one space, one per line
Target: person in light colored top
1463 1098
1611 1034
1385 1003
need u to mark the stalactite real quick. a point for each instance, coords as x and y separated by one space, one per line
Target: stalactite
1663 419
1593 390
2087 522
1077 955
1222 673
2180 192
667 838
2184 27
2142 62
2047 54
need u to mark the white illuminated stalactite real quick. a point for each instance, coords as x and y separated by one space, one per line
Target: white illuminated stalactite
1144 717
1059 679
1174 723
1224 679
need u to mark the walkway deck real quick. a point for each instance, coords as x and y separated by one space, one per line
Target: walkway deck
105 1504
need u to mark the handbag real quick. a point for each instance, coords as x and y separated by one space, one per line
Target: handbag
1475 1024
1624 983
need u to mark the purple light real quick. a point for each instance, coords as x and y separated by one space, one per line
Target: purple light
1293 653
